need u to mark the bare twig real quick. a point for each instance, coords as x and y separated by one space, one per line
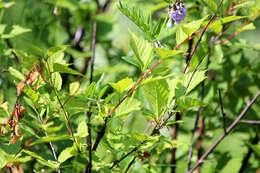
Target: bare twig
222 110
129 153
250 121
195 127
50 143
174 137
235 122
200 138
93 51
130 164
61 105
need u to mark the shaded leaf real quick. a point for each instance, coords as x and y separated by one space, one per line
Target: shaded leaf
41 160
57 49
16 30
64 69
91 90
16 73
49 138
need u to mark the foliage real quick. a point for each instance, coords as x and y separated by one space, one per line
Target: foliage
105 86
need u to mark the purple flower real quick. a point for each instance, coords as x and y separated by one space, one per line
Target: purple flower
177 13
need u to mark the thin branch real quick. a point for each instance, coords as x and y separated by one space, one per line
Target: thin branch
174 137
61 105
92 60
236 32
233 125
105 5
130 164
195 127
50 143
250 121
200 138
222 110
129 153
201 129
101 133
93 51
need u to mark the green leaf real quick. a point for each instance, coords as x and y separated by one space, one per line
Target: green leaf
16 73
192 27
16 30
157 95
2 28
122 85
216 26
57 80
244 4
142 49
91 90
3 160
28 61
128 106
178 85
66 154
131 60
57 49
74 87
250 26
102 92
137 16
82 130
180 34
41 160
49 138
231 18
6 4
213 6
198 77
33 95
185 103
164 53
64 69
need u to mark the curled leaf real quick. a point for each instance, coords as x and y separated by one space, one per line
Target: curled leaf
14 139
32 78
20 87
17 130
3 130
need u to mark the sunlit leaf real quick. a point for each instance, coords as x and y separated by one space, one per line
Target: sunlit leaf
142 49
122 85
74 87
82 130
157 94
128 106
